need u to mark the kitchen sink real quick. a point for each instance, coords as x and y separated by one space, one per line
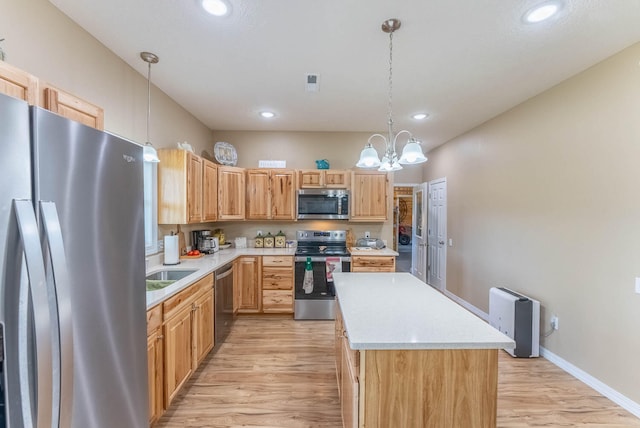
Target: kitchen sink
164 278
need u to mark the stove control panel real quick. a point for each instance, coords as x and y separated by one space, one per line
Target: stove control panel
321 235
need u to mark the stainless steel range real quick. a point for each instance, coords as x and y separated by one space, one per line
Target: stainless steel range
327 252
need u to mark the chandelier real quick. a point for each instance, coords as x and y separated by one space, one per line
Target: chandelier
412 152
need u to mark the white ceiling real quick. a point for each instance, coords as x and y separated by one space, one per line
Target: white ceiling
461 61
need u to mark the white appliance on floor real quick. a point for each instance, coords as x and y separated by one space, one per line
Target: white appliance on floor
518 317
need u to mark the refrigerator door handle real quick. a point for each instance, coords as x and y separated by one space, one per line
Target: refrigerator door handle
29 381
54 243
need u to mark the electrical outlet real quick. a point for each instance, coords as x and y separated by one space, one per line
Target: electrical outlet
367 234
554 322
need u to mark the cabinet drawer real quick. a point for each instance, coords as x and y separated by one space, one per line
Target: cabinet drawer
277 261
174 304
154 318
277 279
373 264
277 301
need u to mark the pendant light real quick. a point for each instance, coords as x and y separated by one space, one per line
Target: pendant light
149 154
412 152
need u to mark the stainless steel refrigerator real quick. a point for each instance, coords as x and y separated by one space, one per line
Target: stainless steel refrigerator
72 279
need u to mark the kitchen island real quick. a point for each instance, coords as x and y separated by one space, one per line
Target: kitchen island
408 356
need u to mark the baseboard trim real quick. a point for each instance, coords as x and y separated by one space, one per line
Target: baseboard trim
467 305
604 389
584 377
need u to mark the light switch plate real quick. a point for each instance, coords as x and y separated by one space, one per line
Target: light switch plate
637 285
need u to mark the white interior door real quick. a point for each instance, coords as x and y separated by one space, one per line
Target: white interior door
419 232
437 234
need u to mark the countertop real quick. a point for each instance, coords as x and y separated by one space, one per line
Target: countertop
205 266
372 252
398 311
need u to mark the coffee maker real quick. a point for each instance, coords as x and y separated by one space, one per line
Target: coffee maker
204 242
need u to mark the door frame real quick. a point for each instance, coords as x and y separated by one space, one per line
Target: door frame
431 183
417 241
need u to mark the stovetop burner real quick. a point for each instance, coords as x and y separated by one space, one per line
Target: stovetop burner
316 251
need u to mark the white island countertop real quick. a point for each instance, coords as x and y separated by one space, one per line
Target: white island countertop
398 311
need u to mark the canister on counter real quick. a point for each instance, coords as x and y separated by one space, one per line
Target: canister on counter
281 240
269 240
259 240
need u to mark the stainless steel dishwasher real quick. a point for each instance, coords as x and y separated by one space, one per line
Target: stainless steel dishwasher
224 302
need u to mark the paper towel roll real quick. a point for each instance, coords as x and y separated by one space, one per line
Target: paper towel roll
171 250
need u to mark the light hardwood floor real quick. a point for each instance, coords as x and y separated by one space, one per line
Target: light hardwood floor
276 372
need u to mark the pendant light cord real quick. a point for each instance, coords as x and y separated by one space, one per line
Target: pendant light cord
148 99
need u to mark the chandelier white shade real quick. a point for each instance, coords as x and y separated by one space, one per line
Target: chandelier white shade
412 152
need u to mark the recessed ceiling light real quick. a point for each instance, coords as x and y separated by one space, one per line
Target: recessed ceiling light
267 114
541 12
420 116
216 7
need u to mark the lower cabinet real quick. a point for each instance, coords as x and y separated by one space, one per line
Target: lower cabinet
277 284
178 364
246 283
373 264
347 370
188 334
155 362
349 389
203 327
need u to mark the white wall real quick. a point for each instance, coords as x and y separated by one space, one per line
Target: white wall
544 199
44 42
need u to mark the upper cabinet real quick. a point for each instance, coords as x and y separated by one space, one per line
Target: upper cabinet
186 186
209 190
72 107
323 178
369 196
231 193
18 84
270 194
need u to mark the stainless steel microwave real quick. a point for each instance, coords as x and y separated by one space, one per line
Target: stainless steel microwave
323 204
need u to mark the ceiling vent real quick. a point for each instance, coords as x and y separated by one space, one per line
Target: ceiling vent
312 83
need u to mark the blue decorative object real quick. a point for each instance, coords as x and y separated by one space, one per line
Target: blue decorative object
322 164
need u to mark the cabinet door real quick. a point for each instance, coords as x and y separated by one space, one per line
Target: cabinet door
231 193
209 191
172 186
283 195
369 196
178 352
72 107
18 84
349 390
258 194
373 264
155 369
336 179
194 188
310 178
338 346
247 280
203 327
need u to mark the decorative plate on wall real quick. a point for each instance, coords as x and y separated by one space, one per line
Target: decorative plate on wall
225 153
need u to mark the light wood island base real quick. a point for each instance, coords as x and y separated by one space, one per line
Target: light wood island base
429 388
